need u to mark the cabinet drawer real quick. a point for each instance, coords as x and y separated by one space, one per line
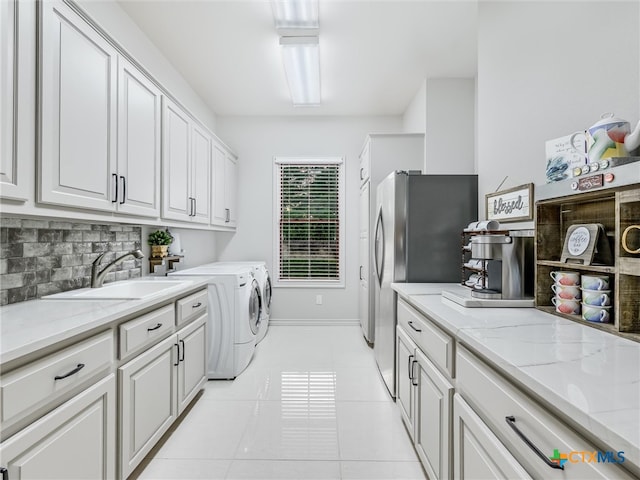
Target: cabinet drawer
145 330
494 399
434 342
191 307
42 381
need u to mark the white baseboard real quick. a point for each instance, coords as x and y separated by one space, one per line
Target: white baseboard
314 321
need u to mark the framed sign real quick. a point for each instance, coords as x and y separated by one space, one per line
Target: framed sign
513 205
587 244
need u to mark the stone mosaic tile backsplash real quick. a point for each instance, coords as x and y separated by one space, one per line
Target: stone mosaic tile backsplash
41 257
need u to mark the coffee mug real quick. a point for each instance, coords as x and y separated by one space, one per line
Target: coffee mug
475 280
625 245
566 278
595 314
596 298
488 225
566 292
474 263
595 282
472 227
570 307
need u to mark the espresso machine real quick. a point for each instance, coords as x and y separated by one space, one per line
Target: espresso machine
506 265
507 260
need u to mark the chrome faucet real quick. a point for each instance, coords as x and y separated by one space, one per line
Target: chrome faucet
97 278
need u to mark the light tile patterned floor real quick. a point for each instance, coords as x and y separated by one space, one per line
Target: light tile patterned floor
311 405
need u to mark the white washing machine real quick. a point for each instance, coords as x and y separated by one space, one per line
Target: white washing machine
235 309
261 274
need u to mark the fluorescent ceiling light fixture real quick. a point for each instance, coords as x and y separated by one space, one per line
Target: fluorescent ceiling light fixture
301 57
295 13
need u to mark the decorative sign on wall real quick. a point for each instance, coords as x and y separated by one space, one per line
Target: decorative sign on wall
511 205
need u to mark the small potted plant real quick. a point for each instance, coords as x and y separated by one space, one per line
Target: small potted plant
160 241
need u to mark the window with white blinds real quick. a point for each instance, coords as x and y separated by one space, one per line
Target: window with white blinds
309 212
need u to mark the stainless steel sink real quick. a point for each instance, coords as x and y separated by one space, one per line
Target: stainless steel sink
125 290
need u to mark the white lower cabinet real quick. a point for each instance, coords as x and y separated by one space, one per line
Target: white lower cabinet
59 414
424 396
74 441
148 401
192 368
155 387
526 429
433 399
477 452
363 290
405 349
488 426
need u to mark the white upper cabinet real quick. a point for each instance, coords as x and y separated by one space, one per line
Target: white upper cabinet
138 173
110 138
231 191
224 196
12 32
93 100
78 111
186 166
176 150
200 174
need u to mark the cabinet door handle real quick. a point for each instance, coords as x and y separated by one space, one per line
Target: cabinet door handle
114 177
416 329
79 367
199 304
177 355
361 173
409 368
511 421
124 189
361 272
413 377
151 329
5 473
183 350
227 216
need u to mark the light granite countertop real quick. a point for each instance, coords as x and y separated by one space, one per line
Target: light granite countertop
590 377
28 327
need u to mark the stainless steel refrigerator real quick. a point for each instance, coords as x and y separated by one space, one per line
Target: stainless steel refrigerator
417 240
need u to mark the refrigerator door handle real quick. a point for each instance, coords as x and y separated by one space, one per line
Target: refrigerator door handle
379 247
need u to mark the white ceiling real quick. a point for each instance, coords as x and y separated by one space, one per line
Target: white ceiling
374 54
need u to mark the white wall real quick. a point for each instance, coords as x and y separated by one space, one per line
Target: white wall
450 126
444 109
547 69
414 119
198 246
257 140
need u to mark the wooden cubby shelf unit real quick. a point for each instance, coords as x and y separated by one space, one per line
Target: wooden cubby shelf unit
615 209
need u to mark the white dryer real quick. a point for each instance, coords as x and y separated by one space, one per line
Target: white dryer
261 274
235 310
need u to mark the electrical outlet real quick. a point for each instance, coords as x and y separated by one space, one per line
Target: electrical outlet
318 299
